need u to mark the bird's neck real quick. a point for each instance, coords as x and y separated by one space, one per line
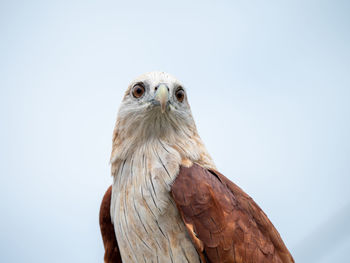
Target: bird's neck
179 151
133 135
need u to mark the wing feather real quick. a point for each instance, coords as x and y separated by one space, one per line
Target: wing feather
224 223
112 254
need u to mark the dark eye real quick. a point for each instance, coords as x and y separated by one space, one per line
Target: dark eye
180 94
138 90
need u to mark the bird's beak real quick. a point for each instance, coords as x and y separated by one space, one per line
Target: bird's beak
162 95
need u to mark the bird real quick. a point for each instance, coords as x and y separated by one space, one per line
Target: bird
168 202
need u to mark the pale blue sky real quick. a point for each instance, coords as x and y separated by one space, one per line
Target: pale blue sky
269 87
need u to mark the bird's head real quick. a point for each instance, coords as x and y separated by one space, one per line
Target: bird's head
154 108
153 103
156 93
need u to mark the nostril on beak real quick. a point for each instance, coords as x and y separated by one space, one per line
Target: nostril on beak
155 89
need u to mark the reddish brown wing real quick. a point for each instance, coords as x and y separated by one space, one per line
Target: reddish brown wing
112 254
224 223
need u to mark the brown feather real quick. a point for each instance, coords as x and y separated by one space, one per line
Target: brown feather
224 223
112 254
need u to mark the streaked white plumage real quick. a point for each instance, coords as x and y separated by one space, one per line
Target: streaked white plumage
148 148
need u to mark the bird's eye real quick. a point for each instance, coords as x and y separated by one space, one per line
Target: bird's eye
138 90
180 95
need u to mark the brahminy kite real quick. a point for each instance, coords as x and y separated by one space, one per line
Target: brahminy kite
168 203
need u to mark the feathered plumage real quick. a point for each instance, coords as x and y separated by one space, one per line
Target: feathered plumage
167 202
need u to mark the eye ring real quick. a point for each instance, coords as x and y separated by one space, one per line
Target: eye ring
180 94
138 90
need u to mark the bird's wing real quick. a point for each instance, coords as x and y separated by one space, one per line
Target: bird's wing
112 254
224 223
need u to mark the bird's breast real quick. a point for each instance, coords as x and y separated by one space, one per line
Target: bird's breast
147 224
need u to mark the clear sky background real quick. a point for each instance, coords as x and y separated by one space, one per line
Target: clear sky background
269 87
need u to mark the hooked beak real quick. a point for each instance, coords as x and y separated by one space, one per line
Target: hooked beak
162 95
